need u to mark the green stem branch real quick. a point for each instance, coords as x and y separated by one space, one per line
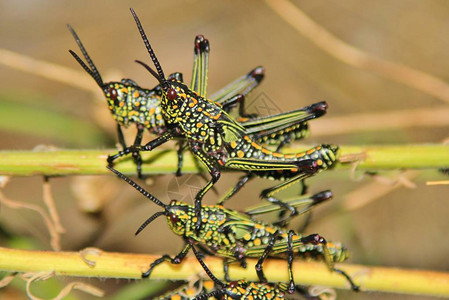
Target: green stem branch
88 162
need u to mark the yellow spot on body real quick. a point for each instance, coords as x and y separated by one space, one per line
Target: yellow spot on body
258 226
175 106
158 117
257 242
289 155
319 162
247 236
266 151
240 153
270 230
256 146
121 104
176 297
301 154
294 170
199 109
193 103
233 144
124 90
199 124
311 151
152 110
137 103
209 285
203 133
277 154
136 94
191 292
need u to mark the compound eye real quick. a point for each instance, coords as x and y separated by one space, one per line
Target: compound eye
171 94
174 218
112 93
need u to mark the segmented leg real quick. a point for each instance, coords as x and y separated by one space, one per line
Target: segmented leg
243 85
354 287
200 66
181 147
291 287
136 155
147 147
214 171
242 181
259 265
121 138
176 260
239 100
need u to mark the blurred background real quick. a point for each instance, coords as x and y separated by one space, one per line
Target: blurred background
379 222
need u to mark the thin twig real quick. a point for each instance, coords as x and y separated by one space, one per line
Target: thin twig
50 203
355 57
55 240
47 70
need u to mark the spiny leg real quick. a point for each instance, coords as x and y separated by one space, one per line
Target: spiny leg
215 173
176 260
268 249
239 100
242 181
147 147
291 287
121 138
354 287
179 152
267 194
135 154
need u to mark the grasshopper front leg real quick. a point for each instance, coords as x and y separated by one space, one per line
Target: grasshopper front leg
176 260
214 171
168 135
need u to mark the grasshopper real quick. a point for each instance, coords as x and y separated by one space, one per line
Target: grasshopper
216 139
131 104
236 236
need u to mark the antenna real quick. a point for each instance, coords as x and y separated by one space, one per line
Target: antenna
93 71
147 44
149 220
137 187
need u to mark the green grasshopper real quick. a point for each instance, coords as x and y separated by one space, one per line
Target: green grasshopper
217 140
130 104
236 236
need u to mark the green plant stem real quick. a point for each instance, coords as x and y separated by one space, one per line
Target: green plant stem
127 265
88 162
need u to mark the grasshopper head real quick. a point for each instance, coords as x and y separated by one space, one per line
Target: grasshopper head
174 94
116 94
179 216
